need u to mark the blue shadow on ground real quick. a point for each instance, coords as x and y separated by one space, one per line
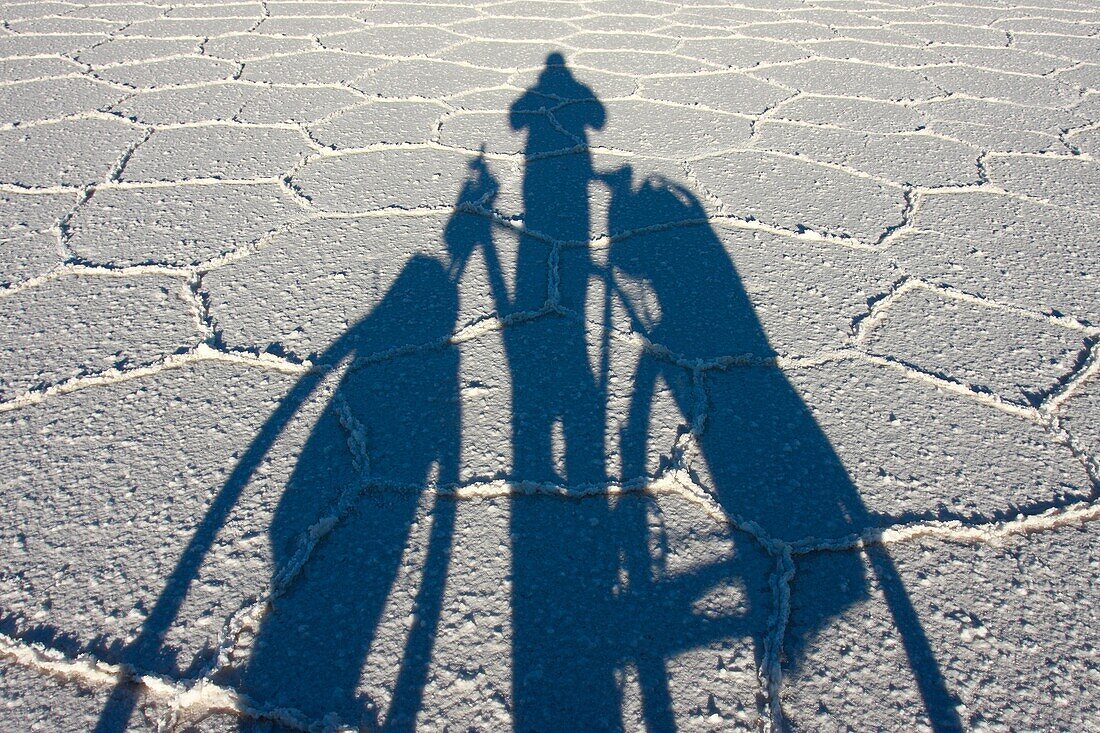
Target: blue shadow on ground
587 597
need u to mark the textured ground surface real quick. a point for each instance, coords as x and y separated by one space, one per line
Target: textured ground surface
859 498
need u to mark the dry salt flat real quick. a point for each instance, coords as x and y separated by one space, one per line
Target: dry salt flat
548 366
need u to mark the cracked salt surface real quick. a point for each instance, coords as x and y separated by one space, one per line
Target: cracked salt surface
358 369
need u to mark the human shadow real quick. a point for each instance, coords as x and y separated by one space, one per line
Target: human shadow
758 449
389 432
312 643
563 566
589 595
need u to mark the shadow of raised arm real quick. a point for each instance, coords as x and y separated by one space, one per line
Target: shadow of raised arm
471 227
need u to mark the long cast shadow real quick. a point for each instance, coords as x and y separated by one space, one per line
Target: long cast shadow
312 643
563 565
766 459
587 596
311 646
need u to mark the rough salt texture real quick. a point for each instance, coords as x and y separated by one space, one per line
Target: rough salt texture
1009 627
952 338
285 444
106 322
37 701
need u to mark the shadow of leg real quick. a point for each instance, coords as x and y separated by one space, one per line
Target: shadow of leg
415 662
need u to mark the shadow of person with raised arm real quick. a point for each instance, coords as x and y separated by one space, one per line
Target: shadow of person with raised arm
388 435
761 453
